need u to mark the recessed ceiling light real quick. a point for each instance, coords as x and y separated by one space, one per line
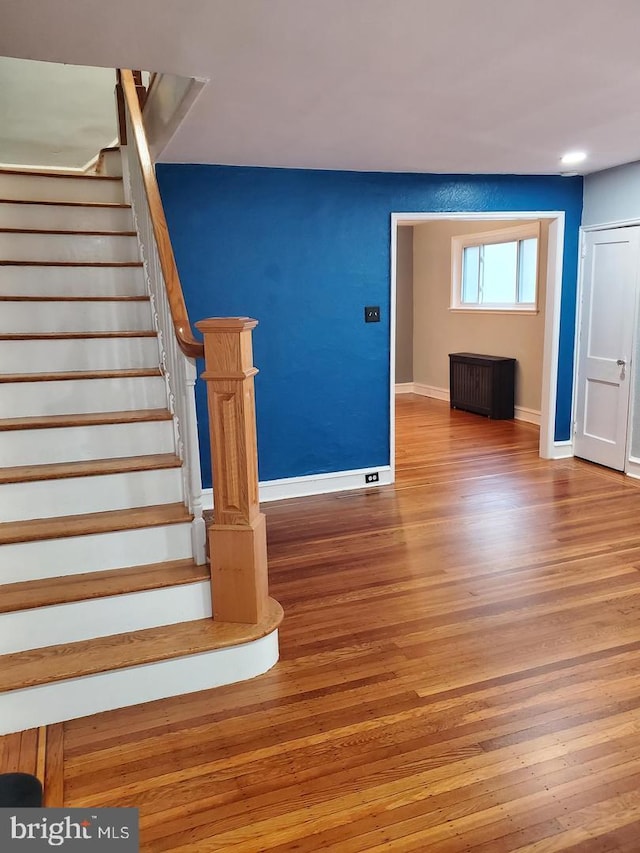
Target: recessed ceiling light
573 157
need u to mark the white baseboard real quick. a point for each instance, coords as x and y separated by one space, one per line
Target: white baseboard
313 484
521 413
530 416
561 450
431 391
632 468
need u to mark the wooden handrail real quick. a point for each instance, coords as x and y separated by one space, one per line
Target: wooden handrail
188 343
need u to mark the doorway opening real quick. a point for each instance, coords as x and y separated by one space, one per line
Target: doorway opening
449 334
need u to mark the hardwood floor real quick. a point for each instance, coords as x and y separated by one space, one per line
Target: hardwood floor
460 670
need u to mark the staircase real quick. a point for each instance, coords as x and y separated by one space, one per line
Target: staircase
102 604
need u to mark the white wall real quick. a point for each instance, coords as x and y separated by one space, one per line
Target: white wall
57 116
612 195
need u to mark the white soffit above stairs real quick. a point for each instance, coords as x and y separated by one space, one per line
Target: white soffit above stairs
399 85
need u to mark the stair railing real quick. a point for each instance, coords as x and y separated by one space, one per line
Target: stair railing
178 346
237 538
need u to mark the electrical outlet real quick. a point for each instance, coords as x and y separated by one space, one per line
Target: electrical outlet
371 478
372 314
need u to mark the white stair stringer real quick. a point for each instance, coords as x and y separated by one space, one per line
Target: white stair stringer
69 699
95 552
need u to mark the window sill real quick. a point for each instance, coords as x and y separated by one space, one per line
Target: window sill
468 310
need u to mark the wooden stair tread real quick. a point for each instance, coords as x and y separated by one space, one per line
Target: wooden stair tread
110 204
67 232
43 174
50 591
69 336
37 529
8 263
104 654
88 468
90 419
80 374
18 298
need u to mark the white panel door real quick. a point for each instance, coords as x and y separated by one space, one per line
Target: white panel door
609 277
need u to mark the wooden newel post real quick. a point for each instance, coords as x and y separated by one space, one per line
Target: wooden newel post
237 537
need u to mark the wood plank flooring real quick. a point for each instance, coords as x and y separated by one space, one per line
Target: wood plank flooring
460 670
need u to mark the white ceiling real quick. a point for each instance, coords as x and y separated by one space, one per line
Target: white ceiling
385 85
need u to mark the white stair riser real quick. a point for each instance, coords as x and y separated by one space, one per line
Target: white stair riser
103 617
111 164
72 281
64 354
68 247
121 688
100 493
46 188
81 396
75 316
74 555
74 444
65 217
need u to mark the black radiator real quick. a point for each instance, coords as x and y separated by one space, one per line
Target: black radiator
482 383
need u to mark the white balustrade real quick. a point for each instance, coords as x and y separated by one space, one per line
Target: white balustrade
179 371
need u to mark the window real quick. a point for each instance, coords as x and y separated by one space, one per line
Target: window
496 270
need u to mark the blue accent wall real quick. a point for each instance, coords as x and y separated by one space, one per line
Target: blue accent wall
303 252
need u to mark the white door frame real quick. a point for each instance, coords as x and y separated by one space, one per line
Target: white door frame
631 463
549 448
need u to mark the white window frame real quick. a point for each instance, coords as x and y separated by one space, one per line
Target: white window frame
503 235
